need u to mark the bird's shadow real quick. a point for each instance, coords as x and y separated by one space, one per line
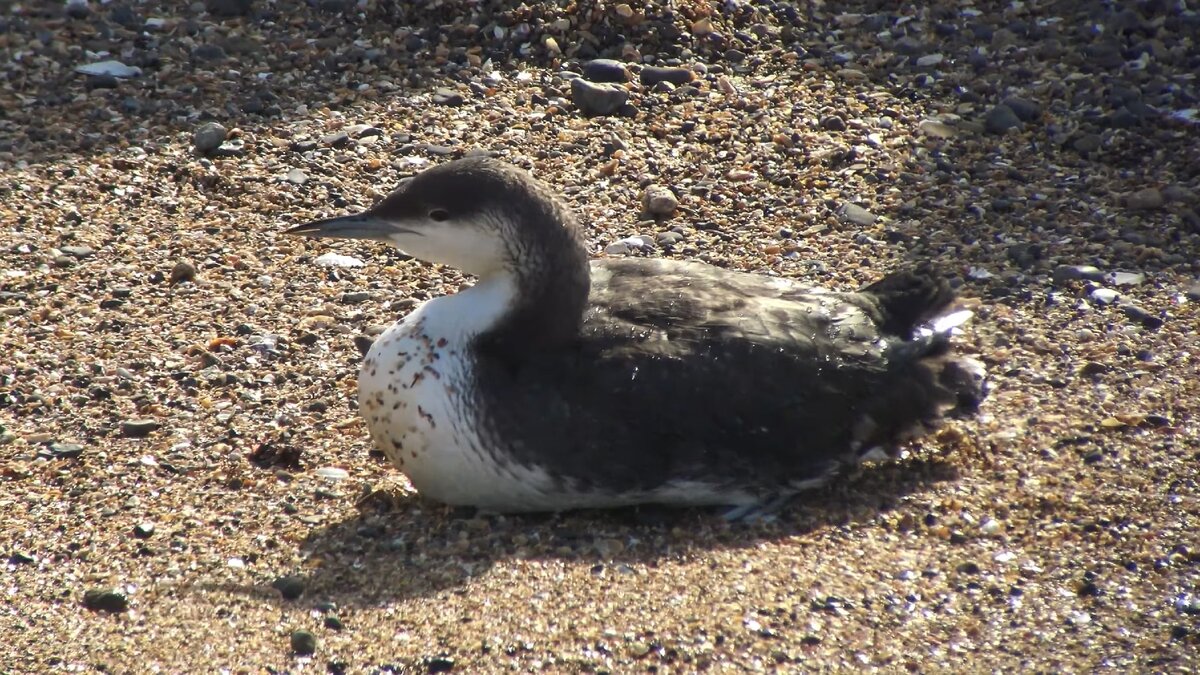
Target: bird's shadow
415 549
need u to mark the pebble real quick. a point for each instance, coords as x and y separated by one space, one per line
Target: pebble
338 260
297 177
652 75
1147 199
659 201
1193 292
448 97
1125 278
628 245
439 664
333 623
605 70
143 530
336 139
672 238
303 642
289 586
833 123
363 131
1086 144
929 60
1023 108
108 69
1104 296
208 137
936 129
333 473
355 297
1139 315
182 271
1000 119
853 213
78 251
1064 273
105 600
65 450
139 428
597 98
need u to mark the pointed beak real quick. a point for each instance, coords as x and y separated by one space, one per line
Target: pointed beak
358 226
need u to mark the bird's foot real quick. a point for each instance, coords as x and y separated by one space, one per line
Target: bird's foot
760 512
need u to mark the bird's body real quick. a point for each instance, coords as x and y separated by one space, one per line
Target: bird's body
556 384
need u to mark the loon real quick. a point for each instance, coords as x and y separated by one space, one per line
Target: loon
555 383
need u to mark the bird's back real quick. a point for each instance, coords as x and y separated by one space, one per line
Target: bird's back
737 386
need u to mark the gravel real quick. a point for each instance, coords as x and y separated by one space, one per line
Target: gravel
1056 532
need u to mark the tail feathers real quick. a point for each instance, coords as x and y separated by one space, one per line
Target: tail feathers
910 298
935 385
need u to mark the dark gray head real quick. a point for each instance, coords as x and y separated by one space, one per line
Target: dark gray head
480 215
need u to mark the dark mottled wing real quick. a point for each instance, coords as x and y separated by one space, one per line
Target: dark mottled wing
707 373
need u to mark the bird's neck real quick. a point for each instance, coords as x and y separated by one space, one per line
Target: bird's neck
547 294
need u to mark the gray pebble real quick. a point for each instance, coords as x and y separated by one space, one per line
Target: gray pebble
336 139
1148 320
1025 109
363 131
1064 273
143 530
355 297
853 213
208 52
1086 144
1147 199
297 177
209 137
78 251
652 75
668 238
659 201
1104 296
1193 292
1000 119
139 428
597 98
65 450
448 97
605 70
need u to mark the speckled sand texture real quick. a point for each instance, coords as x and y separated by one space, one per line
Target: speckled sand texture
183 478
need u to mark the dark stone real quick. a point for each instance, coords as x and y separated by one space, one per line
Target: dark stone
448 97
598 98
290 586
605 70
337 139
440 664
833 123
652 75
1000 119
334 623
101 82
209 52
229 8
143 530
139 428
105 600
1148 320
303 642
1025 109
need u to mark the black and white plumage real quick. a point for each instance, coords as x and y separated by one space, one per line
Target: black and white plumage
555 383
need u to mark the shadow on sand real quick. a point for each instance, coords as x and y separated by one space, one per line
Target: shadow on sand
416 549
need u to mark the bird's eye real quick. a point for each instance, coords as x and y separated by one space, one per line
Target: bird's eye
439 215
